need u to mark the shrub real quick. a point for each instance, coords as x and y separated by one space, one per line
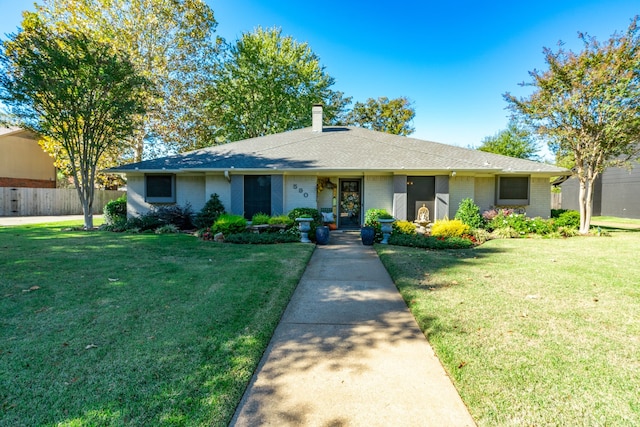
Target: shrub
115 212
260 219
181 217
555 213
404 227
228 224
469 213
505 233
480 235
449 228
145 222
210 212
262 238
429 242
166 229
281 219
570 219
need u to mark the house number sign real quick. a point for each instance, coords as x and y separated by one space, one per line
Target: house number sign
300 190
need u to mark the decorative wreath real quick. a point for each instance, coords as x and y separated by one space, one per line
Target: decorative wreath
350 203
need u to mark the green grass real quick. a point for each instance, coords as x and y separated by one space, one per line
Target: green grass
613 219
100 328
533 331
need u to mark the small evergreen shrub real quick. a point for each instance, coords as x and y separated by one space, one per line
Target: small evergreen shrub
469 213
145 222
505 233
115 212
404 227
449 228
480 235
260 219
555 213
228 224
210 212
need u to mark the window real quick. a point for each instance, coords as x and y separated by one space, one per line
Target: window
512 190
160 188
257 195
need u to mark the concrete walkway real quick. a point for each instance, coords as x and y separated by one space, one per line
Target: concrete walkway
347 352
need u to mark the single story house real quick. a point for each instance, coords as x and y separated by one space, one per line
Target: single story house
342 171
23 163
615 193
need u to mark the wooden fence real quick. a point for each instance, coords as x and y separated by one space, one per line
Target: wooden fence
49 201
556 200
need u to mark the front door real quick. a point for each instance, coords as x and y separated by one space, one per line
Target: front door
350 204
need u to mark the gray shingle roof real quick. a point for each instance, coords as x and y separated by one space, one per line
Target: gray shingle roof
340 149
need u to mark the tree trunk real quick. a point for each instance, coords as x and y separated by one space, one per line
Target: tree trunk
585 200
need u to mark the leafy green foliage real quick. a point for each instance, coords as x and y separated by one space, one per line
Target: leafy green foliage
267 85
404 227
514 141
115 211
260 219
309 212
74 90
585 105
570 219
449 228
371 217
228 224
430 242
469 213
209 212
170 42
281 219
384 115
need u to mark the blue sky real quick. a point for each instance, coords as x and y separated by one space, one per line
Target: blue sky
453 59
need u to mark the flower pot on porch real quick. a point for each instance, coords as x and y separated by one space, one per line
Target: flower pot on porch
304 225
367 234
322 235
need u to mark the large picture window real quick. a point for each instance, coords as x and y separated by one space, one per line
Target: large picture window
160 188
512 190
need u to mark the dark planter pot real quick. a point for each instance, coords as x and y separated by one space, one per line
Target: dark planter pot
322 235
368 234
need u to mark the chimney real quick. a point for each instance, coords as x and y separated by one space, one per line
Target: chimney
316 118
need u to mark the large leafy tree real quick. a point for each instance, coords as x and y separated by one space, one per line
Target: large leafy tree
268 84
171 43
514 141
72 89
384 115
586 105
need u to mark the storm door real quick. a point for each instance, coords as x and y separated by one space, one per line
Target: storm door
257 195
350 206
421 190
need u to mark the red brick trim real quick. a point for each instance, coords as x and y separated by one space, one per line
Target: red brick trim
25 182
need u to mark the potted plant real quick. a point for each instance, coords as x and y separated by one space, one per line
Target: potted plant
322 235
386 221
368 235
304 225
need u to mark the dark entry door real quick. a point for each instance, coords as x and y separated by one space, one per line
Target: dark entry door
350 205
420 190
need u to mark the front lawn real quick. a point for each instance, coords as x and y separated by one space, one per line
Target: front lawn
99 328
533 331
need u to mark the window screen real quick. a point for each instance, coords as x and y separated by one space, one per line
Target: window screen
160 189
513 190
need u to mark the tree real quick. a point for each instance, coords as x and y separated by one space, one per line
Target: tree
268 85
171 43
67 87
514 141
384 115
586 104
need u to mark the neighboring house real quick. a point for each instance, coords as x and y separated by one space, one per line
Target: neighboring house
616 193
340 170
23 163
